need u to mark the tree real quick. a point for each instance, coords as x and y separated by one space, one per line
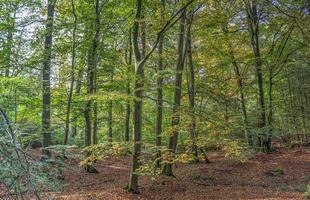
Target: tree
71 88
91 79
173 138
46 93
253 17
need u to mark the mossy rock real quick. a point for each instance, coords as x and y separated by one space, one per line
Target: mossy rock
275 172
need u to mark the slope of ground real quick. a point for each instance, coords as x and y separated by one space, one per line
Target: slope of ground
221 179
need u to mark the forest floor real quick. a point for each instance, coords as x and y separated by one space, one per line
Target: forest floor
221 179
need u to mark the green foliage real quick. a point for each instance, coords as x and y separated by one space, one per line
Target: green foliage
306 194
105 150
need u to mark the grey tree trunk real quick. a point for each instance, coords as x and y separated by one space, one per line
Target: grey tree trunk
72 73
253 16
46 93
240 85
138 94
191 91
128 109
159 106
91 76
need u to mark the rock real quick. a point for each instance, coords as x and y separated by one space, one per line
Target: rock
34 144
91 169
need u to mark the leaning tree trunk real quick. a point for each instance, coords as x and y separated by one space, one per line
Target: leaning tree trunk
46 93
240 85
173 139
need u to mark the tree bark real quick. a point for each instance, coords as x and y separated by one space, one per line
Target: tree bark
72 73
159 105
173 138
91 70
138 94
252 11
191 91
128 109
46 93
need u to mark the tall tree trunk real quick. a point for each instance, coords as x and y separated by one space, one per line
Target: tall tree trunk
159 105
253 16
91 76
138 94
128 109
67 123
173 138
191 90
46 93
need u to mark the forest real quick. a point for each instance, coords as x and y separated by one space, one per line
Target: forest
154 99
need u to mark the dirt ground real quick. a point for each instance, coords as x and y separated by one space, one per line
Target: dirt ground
221 179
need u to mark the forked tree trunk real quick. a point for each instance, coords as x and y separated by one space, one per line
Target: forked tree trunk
138 94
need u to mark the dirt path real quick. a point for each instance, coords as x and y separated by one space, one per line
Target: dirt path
221 179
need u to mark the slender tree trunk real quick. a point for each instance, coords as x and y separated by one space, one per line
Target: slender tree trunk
110 116
173 139
253 24
270 109
78 85
241 94
91 76
159 106
128 109
46 93
191 91
138 94
67 124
